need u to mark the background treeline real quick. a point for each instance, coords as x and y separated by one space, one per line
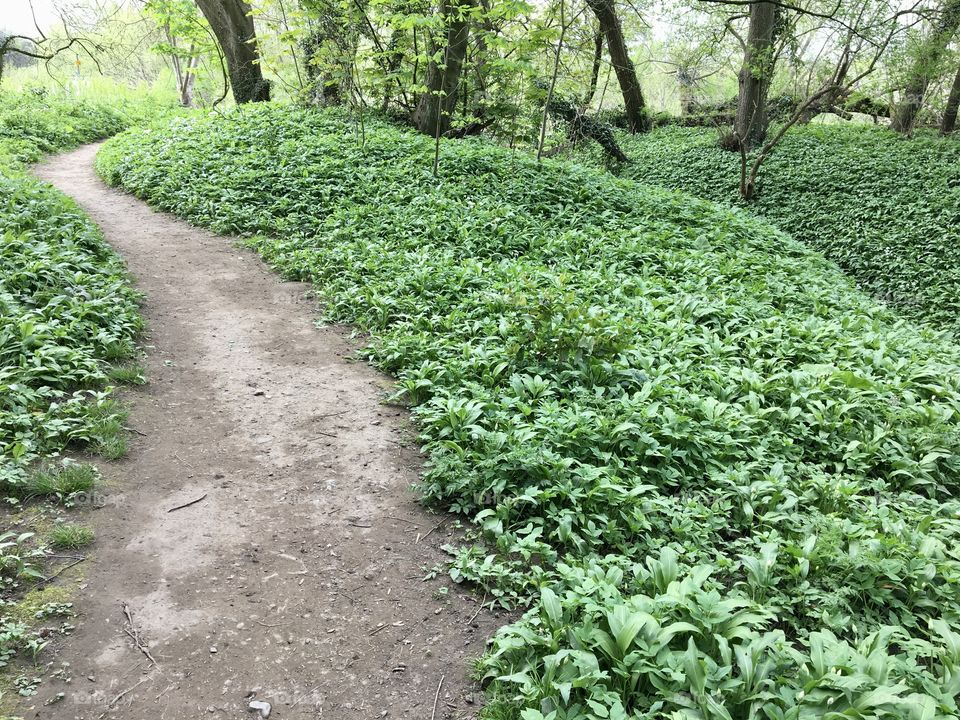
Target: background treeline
463 67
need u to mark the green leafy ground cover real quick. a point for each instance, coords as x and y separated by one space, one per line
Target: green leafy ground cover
68 319
724 479
885 208
67 313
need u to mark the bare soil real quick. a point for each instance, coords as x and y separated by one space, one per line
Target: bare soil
298 578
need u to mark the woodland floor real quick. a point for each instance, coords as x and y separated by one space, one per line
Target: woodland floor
299 576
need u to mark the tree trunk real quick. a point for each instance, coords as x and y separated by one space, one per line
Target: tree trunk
622 65
594 69
752 121
436 106
394 60
925 68
189 80
330 51
949 123
232 25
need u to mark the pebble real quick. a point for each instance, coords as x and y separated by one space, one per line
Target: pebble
262 707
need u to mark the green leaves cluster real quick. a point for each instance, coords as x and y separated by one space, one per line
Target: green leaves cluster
683 650
883 207
726 477
66 309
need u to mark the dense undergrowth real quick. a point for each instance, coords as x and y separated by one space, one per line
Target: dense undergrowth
885 208
67 312
68 319
725 479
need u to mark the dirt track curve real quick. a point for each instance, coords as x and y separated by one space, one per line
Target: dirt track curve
298 576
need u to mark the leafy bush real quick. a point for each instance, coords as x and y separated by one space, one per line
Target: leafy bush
726 478
883 207
65 301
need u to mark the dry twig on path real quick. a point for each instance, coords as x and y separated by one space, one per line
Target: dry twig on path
128 690
135 635
61 570
436 697
188 504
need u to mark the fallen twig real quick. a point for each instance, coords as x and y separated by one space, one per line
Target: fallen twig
187 504
479 608
270 624
61 571
183 461
128 690
309 692
436 697
135 635
430 531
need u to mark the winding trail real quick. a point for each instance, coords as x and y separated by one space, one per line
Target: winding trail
299 575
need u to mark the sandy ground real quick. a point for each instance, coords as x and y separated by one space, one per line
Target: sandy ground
298 579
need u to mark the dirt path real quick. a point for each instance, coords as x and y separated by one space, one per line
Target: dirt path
298 577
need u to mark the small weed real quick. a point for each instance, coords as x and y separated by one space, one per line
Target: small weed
127 375
61 482
119 350
27 686
69 536
111 447
44 601
18 559
54 609
108 435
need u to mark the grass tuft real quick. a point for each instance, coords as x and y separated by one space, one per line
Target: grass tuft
127 375
68 536
61 481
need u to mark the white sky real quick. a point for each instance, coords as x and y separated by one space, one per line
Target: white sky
15 15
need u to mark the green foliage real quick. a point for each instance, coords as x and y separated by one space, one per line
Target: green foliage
38 122
62 482
682 650
67 311
725 477
70 536
17 637
883 207
18 559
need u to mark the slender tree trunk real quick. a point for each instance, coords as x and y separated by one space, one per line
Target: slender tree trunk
330 50
189 80
622 64
436 106
232 25
925 68
752 121
394 59
594 69
686 99
174 58
949 123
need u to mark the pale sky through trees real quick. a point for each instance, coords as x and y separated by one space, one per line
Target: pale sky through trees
15 15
